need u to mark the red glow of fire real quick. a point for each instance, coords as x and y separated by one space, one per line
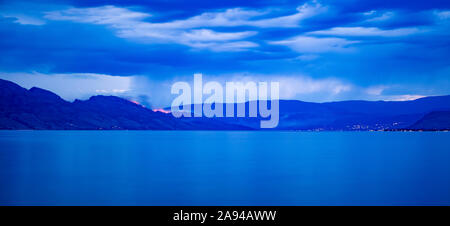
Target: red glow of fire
137 103
132 101
161 110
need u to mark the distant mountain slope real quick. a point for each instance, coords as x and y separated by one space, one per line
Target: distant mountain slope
41 109
359 115
438 120
348 115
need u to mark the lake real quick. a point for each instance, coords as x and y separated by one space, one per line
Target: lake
224 168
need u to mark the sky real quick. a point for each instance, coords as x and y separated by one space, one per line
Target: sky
317 50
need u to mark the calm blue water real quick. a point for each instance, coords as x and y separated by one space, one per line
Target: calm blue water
224 168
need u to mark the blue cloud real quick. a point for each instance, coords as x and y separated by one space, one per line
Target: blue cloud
403 46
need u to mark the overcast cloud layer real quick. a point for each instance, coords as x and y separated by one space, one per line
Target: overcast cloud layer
317 50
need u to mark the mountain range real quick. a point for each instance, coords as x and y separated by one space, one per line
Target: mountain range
41 109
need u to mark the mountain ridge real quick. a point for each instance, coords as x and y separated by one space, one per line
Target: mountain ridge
38 109
436 120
